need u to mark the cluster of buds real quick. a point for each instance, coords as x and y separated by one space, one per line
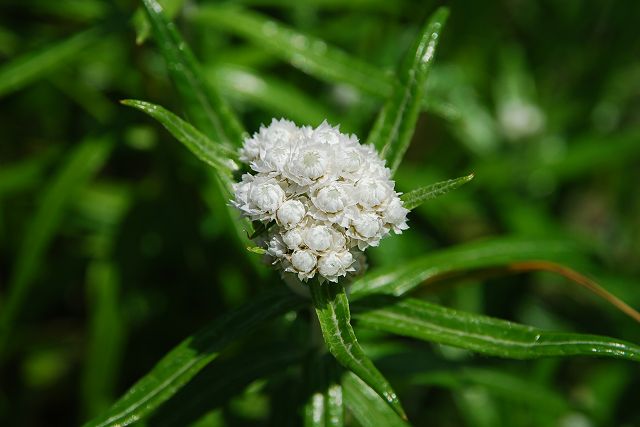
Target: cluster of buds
324 197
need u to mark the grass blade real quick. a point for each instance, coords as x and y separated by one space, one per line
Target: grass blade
425 321
366 405
332 308
191 356
324 406
34 65
83 162
394 127
415 198
216 155
398 281
308 53
204 106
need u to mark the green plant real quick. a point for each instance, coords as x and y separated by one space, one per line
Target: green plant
398 314
266 361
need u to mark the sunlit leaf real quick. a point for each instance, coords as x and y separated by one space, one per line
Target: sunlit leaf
332 308
415 198
216 155
394 127
366 405
141 22
32 66
192 355
270 94
398 280
82 163
205 108
430 322
308 53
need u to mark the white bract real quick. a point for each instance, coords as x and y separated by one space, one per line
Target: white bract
325 196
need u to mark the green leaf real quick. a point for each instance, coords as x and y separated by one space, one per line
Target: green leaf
216 155
398 280
271 94
141 22
332 308
422 320
415 198
394 127
308 53
257 250
104 352
503 384
204 106
368 408
34 65
192 355
220 381
81 164
324 406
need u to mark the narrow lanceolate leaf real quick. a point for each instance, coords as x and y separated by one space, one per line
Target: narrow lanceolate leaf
394 127
32 66
504 384
221 381
217 155
308 53
271 94
191 356
415 198
398 280
324 406
205 108
366 405
425 321
332 308
82 163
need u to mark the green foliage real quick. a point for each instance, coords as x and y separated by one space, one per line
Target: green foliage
416 197
114 248
191 356
216 155
430 322
332 308
79 167
207 110
394 127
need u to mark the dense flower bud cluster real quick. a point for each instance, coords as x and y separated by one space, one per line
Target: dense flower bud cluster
329 196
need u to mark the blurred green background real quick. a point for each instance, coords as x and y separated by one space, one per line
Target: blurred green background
121 243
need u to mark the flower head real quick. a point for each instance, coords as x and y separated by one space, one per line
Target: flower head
327 196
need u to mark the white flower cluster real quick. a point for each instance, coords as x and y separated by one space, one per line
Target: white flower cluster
326 196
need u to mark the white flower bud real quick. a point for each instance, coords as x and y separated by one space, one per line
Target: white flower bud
266 197
291 213
303 261
371 192
331 199
367 225
318 238
292 238
329 265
